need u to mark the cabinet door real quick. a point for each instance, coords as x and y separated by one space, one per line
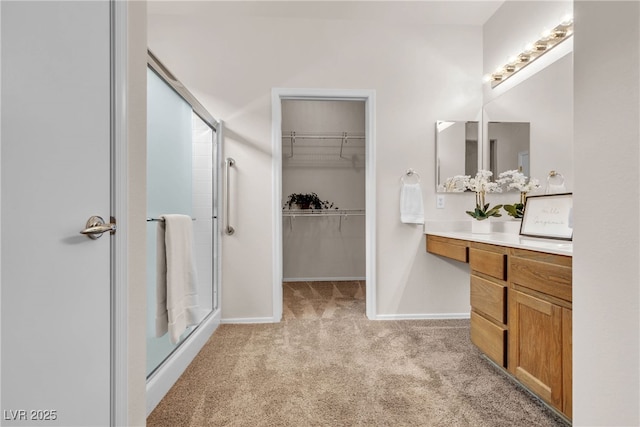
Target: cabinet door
535 345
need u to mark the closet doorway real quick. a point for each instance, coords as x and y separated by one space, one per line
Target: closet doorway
324 202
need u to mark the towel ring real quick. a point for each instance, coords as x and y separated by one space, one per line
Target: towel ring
410 173
555 183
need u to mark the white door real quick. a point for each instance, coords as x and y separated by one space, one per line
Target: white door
55 174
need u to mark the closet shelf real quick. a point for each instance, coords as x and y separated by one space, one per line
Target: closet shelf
337 135
292 214
322 212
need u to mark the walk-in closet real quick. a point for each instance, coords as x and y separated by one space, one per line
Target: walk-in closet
323 191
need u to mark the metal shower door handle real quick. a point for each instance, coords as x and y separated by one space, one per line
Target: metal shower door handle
96 227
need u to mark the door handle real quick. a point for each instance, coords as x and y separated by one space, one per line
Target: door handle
96 227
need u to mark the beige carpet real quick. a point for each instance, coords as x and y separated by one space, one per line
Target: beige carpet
325 364
323 300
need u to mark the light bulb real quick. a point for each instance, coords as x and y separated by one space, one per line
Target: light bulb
540 47
558 33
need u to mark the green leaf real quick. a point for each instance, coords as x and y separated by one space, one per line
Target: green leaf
516 210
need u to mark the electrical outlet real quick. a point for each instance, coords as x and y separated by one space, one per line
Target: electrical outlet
440 201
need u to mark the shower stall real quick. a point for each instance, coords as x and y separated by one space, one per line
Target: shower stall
183 147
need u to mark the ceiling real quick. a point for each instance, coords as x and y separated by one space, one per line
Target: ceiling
453 12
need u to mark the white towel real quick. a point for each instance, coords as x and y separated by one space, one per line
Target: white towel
411 209
176 284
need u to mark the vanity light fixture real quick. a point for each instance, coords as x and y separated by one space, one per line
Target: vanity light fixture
548 40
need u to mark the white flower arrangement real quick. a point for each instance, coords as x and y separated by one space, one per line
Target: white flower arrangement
482 184
456 184
516 180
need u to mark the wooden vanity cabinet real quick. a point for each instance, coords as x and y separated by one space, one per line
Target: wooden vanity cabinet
488 286
521 313
540 325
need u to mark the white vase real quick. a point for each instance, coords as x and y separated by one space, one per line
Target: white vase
481 227
512 226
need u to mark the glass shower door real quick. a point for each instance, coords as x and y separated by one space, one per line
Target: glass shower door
180 149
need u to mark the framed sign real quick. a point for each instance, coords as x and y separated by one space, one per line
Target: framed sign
548 216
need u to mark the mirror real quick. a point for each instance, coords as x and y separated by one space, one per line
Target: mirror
539 112
508 147
456 150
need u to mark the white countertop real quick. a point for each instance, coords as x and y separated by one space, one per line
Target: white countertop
509 238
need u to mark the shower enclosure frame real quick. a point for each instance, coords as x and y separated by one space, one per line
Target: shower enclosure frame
167 373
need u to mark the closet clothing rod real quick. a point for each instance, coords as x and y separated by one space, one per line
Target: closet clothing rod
161 219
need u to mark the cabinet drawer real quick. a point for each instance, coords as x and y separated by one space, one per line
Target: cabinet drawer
489 338
490 263
450 248
489 298
549 278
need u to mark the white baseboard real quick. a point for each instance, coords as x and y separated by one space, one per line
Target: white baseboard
238 320
169 372
427 316
323 279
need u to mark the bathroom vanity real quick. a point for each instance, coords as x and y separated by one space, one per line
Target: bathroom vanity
520 306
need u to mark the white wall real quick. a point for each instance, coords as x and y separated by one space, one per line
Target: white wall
606 294
421 73
317 247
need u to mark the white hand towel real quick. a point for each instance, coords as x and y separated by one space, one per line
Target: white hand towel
411 208
176 285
